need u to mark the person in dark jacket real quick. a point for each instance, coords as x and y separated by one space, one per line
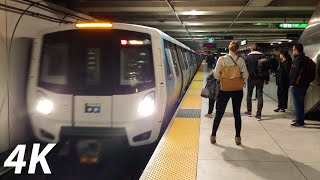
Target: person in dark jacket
274 64
258 69
213 87
299 83
211 61
282 81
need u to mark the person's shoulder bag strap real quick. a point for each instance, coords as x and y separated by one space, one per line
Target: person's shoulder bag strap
234 60
236 63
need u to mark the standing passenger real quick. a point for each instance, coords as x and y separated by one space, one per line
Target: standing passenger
274 63
258 69
301 75
283 81
225 61
210 60
212 86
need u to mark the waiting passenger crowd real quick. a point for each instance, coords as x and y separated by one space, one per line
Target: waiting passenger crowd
232 73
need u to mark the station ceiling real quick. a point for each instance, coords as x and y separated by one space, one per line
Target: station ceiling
193 22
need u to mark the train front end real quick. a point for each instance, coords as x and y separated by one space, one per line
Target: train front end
94 82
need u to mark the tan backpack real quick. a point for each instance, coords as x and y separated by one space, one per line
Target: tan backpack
231 77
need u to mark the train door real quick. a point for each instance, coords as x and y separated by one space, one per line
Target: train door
190 67
170 78
193 69
177 69
92 78
185 68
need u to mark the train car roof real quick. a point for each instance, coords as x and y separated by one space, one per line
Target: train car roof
124 26
151 29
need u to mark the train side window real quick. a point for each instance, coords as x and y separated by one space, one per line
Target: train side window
189 58
193 58
196 58
185 59
174 58
166 49
181 58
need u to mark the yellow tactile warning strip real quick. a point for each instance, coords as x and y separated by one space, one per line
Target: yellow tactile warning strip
193 99
177 153
198 76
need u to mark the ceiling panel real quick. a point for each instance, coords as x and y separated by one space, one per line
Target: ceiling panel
256 21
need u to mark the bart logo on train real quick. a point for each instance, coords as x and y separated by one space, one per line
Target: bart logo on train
92 108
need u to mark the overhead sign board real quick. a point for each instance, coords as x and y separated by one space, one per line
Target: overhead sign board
213 38
243 42
293 25
223 37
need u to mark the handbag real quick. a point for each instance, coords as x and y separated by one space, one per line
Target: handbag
205 92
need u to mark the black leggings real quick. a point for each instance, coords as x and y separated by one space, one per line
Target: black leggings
222 102
211 105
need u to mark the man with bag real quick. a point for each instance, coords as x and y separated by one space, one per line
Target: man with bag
258 68
302 73
231 71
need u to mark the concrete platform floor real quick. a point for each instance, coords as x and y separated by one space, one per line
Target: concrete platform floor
271 148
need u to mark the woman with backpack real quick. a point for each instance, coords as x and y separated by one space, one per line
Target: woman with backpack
232 72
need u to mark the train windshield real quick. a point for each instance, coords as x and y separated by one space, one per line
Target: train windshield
96 62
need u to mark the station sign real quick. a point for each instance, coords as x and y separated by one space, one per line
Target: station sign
213 38
293 25
243 42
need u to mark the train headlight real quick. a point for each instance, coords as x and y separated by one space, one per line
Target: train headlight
146 107
44 106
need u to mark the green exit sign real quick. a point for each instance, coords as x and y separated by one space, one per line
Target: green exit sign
292 26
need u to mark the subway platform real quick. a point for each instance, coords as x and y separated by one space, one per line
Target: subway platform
271 148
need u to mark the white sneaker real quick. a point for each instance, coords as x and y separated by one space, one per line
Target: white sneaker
208 115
